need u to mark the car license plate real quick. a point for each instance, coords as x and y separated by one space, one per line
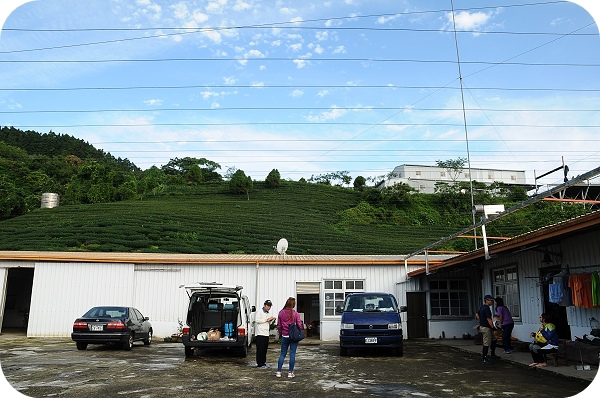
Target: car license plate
96 328
370 340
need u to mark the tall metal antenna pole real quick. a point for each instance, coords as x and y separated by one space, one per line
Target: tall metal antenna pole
462 96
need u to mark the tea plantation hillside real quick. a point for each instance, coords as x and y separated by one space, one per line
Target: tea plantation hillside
212 220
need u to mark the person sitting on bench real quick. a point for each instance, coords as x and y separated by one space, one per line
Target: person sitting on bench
545 341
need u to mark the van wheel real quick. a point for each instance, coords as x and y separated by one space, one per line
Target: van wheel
343 351
399 351
189 352
243 353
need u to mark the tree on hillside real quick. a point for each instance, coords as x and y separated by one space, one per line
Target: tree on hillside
359 183
273 180
327 179
192 170
240 183
453 166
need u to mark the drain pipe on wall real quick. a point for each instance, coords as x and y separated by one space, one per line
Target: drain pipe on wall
256 288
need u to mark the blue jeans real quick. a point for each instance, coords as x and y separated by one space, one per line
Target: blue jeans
293 345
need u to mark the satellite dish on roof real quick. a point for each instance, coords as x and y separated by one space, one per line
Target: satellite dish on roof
282 246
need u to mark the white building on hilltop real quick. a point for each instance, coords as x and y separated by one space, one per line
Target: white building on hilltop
423 178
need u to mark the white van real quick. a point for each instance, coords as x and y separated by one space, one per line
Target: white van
218 316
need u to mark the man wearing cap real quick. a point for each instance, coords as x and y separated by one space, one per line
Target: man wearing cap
261 322
486 327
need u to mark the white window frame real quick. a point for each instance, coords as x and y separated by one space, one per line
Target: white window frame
335 291
505 284
452 296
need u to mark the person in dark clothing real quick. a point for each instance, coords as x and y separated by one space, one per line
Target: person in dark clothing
506 322
486 327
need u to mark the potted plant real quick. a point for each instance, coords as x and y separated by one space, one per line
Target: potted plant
176 337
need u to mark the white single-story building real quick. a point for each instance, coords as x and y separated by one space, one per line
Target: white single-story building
57 287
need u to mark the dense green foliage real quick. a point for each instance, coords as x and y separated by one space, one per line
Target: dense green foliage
186 207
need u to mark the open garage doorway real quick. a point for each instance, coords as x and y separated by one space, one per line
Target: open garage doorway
307 304
17 298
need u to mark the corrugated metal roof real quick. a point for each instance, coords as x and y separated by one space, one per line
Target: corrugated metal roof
559 229
163 258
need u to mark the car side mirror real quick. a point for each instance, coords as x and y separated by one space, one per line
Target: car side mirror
403 308
253 309
146 318
338 310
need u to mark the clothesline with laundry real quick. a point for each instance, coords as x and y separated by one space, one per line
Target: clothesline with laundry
579 290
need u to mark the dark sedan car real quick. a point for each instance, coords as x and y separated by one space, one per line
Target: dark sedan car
101 325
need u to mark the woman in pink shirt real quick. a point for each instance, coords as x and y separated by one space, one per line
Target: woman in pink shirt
287 316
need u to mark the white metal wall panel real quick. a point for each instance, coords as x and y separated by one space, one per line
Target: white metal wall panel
158 296
63 291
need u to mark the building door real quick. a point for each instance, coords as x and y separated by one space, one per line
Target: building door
308 305
416 317
18 287
557 312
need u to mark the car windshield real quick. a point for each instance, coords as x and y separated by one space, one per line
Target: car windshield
106 312
370 303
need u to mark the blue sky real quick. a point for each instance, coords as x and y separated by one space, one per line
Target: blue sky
310 87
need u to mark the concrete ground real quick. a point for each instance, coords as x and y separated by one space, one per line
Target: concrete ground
51 367
524 358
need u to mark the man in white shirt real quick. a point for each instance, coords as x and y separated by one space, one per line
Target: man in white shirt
262 322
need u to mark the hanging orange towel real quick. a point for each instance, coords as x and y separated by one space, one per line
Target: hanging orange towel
581 284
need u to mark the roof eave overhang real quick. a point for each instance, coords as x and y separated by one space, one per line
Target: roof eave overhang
517 243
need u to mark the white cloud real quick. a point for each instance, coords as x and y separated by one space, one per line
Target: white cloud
334 113
213 35
262 67
216 7
340 50
208 94
241 6
300 63
297 93
322 93
296 20
295 47
254 54
153 102
322 35
287 11
229 80
258 84
387 18
180 11
468 21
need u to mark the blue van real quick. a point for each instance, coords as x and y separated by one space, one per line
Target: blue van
371 320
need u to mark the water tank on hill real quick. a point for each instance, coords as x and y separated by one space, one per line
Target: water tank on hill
49 200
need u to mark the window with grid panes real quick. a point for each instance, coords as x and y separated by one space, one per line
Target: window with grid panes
505 284
335 291
449 297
